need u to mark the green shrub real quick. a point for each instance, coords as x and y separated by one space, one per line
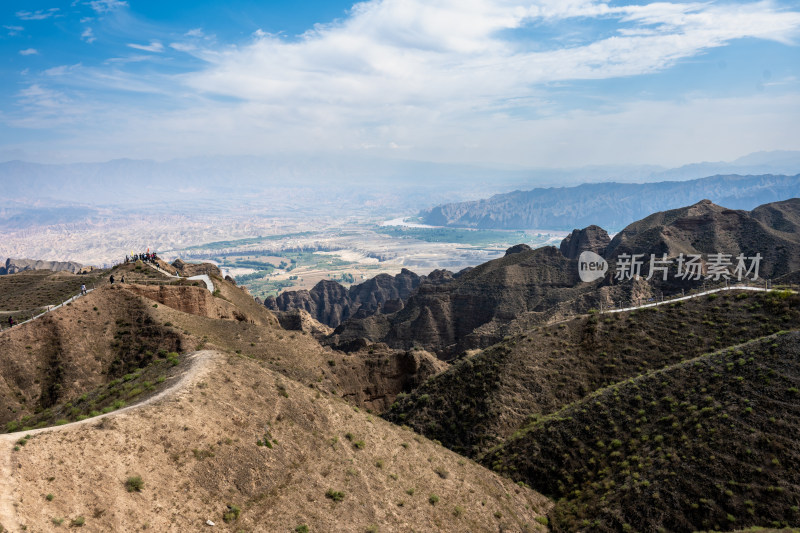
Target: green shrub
232 514
433 499
335 495
302 528
134 484
78 521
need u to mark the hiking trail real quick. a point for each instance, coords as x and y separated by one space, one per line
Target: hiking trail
199 365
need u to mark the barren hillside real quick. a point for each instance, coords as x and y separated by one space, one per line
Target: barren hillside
133 329
251 450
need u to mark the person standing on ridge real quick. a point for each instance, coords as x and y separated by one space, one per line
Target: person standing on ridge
11 321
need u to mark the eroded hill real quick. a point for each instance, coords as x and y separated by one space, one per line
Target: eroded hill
249 449
526 287
771 230
134 329
331 303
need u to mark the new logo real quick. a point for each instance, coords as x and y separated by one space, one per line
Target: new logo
591 266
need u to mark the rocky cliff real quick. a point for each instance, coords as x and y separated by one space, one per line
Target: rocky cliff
479 307
592 238
331 304
448 314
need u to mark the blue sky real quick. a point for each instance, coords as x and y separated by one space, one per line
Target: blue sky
494 82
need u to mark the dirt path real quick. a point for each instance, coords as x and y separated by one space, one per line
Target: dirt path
199 364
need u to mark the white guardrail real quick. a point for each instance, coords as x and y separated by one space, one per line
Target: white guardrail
689 297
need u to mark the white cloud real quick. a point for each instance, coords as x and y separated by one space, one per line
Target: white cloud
411 52
61 70
39 14
88 36
13 30
154 46
452 80
129 59
29 52
183 47
41 98
105 6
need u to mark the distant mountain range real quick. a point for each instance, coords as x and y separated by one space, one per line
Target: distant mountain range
610 205
320 184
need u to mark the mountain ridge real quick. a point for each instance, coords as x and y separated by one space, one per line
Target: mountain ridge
608 205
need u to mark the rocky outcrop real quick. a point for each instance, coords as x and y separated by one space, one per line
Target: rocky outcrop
190 269
13 266
591 238
517 249
193 300
331 303
450 314
447 315
375 375
772 230
301 320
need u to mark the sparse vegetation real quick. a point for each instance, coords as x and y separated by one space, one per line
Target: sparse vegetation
461 409
231 514
334 495
134 484
665 428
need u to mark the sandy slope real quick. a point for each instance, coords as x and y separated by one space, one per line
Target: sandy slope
195 448
8 492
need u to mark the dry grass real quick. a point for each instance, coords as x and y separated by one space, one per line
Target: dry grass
226 411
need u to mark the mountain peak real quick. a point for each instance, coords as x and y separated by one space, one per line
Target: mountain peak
518 248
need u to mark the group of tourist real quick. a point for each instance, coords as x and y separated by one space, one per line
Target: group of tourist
146 257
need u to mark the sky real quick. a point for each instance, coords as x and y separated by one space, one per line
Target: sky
503 83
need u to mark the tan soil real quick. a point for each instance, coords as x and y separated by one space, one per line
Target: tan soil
8 489
195 448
